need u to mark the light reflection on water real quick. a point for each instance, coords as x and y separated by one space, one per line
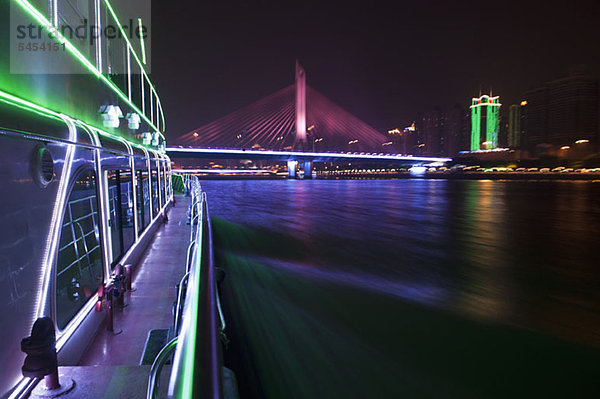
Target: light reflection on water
410 288
517 252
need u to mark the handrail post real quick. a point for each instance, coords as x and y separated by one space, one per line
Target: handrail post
157 365
179 301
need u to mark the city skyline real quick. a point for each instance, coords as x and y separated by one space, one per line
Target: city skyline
384 62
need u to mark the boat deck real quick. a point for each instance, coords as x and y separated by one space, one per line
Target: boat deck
111 367
149 305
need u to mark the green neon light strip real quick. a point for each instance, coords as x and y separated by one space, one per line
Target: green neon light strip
190 347
492 125
26 104
21 103
144 73
142 41
31 10
489 128
475 128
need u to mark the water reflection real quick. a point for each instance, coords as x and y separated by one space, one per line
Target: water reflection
521 253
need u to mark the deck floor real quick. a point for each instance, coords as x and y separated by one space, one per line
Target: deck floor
149 306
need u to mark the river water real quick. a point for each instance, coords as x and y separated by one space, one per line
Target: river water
410 288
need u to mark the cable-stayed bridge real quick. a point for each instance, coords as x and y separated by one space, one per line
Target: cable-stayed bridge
295 124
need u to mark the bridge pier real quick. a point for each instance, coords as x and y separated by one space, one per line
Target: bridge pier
307 167
291 166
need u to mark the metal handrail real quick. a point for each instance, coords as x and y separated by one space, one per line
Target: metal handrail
85 247
179 308
223 324
188 258
198 313
157 365
207 374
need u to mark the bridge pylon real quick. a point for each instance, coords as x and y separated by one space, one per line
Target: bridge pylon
300 141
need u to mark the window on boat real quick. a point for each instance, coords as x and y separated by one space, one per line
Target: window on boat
79 262
143 198
163 184
127 223
155 203
120 199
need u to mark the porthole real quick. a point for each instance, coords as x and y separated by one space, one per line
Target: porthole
42 166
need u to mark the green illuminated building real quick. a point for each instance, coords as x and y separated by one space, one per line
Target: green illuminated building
485 122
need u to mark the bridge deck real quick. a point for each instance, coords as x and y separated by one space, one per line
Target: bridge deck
301 156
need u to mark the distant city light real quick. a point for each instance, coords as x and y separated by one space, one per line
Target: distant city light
223 171
565 147
394 131
582 141
195 134
417 170
483 151
485 121
388 143
523 103
353 142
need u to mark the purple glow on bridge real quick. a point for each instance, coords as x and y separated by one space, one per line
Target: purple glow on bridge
224 153
296 117
300 105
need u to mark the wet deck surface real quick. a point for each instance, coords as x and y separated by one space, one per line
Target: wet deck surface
149 306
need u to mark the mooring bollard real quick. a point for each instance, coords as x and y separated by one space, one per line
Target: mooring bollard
40 348
108 297
128 277
41 360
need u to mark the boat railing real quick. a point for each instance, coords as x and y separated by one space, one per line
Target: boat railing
199 321
182 288
157 366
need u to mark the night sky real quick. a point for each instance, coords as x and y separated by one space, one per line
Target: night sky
383 61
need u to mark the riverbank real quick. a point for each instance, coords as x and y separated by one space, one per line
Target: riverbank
452 175
428 175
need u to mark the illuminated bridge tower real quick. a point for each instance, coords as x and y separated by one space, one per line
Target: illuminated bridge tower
485 122
300 106
300 141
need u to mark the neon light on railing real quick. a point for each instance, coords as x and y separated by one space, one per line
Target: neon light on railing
28 105
124 35
129 75
142 40
31 10
185 354
21 103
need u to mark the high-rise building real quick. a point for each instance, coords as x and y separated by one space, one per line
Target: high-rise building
563 111
456 130
485 122
444 133
405 140
516 125
432 130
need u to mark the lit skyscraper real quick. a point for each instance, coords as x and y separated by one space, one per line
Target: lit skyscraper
485 122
